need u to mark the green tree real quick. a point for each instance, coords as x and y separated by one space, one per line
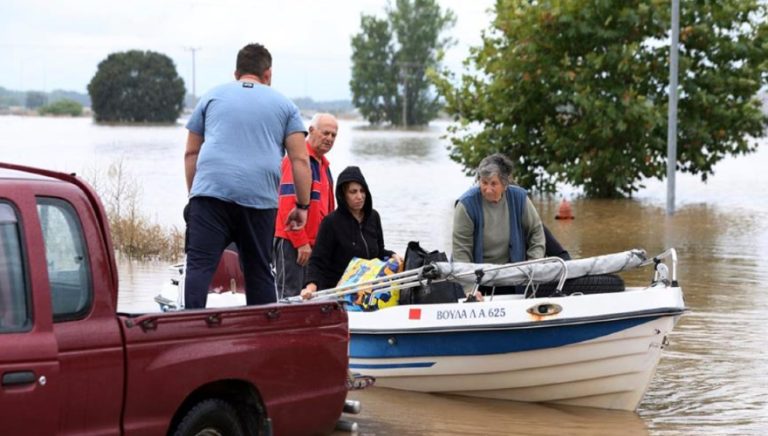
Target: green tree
62 107
390 59
576 91
35 99
374 78
137 86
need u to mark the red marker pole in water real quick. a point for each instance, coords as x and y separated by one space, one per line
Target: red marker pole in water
564 212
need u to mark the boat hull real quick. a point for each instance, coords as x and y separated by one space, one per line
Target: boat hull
604 357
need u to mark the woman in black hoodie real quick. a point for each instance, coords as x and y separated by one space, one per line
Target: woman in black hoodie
352 230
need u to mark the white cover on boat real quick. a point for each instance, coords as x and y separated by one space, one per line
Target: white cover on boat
543 272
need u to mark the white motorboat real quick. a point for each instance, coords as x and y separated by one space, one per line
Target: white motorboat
596 350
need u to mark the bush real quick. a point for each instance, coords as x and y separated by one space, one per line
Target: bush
62 107
133 234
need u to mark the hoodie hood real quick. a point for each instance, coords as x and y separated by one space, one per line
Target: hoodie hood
352 174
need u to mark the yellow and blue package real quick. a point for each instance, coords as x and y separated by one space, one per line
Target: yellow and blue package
362 270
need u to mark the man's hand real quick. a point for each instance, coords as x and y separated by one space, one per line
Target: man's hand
308 292
296 219
304 252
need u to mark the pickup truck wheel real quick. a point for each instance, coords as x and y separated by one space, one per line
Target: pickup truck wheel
212 417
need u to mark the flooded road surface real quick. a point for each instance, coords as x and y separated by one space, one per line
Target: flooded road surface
712 378
390 412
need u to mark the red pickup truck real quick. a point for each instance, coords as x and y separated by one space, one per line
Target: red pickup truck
70 364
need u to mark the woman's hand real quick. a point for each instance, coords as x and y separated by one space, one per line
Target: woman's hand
309 291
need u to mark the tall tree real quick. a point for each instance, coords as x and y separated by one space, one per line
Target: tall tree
576 91
390 59
137 86
374 79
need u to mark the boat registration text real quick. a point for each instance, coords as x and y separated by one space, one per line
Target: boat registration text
491 312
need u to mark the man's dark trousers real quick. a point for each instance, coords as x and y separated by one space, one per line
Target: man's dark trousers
212 224
289 274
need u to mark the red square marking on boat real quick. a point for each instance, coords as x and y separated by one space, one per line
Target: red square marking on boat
414 314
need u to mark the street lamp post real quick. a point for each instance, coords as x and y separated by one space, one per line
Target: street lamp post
672 115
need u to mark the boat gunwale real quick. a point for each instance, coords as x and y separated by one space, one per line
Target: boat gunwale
649 313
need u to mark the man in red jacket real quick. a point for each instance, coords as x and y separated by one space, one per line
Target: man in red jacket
293 248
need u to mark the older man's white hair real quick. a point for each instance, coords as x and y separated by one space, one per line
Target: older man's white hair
318 116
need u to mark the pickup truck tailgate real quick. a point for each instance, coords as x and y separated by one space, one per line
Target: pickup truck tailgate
292 356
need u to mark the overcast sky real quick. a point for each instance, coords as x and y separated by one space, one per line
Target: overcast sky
50 44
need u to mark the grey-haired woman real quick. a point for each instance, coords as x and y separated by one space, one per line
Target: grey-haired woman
495 221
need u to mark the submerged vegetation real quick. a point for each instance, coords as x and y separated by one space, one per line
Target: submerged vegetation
390 58
136 87
134 235
62 107
576 92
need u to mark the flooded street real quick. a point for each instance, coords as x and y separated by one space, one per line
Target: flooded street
711 378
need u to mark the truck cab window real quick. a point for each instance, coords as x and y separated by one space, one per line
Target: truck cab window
14 298
67 259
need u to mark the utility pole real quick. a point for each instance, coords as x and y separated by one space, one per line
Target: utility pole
193 50
672 115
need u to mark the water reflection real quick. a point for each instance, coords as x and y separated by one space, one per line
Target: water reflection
711 379
392 149
417 145
139 283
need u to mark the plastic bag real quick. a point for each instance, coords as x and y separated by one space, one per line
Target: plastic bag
362 270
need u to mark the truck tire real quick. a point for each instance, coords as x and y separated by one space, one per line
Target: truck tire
594 284
211 417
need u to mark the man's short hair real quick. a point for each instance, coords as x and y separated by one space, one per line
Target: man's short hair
253 59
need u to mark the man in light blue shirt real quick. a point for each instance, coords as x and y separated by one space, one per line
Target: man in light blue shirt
237 136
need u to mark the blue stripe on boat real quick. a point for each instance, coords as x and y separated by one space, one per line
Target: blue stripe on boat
391 365
470 343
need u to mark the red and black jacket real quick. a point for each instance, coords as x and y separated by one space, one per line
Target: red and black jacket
321 200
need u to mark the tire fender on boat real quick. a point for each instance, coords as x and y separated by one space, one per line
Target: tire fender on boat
543 310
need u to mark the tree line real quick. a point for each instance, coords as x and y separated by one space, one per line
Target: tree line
574 92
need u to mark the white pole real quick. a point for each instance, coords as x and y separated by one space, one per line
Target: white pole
672 116
193 50
194 85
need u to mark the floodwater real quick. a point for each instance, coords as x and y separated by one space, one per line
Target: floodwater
712 378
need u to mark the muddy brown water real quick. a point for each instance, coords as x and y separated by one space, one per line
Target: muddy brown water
713 376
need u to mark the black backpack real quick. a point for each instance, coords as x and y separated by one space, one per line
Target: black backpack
433 293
